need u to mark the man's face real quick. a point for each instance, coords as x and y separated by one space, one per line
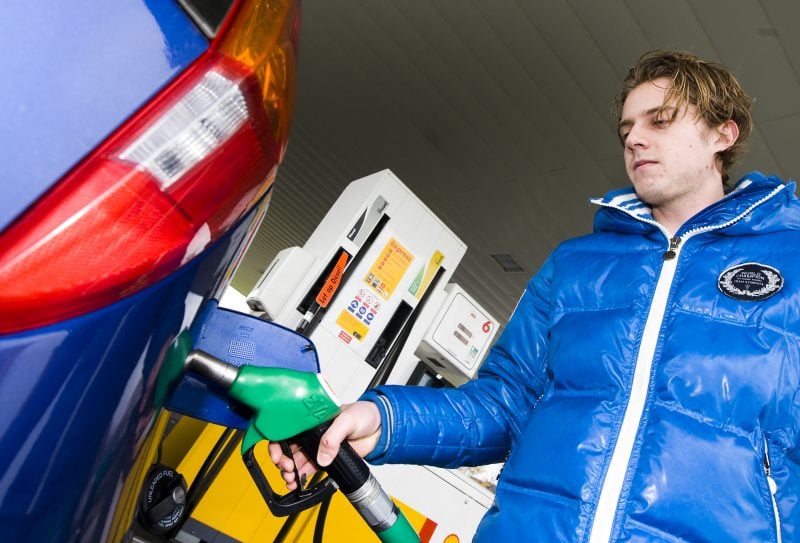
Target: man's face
669 153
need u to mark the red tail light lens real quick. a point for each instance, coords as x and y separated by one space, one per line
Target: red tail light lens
164 186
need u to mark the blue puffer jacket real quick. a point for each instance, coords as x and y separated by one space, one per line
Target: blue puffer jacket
645 389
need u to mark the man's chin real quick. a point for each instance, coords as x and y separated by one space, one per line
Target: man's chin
646 192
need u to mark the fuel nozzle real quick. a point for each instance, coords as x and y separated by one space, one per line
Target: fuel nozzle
211 369
284 402
289 404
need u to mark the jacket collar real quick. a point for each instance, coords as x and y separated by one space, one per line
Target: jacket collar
748 195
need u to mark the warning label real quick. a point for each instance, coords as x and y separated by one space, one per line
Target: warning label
359 314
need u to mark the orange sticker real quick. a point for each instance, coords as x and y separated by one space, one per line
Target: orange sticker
334 279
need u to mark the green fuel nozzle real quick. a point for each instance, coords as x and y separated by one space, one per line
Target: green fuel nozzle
285 402
296 405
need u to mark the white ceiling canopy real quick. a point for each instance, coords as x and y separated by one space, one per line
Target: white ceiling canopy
497 113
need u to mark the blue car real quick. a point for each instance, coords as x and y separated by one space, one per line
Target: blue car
139 140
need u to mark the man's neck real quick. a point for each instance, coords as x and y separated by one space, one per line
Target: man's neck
674 214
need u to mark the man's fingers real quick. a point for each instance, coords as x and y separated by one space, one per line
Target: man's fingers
289 477
359 423
331 440
275 452
286 464
296 457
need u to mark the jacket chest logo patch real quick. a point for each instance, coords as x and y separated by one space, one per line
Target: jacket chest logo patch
750 281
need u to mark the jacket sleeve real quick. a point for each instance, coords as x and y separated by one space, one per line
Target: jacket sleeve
480 421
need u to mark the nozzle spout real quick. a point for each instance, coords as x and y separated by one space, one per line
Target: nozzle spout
211 368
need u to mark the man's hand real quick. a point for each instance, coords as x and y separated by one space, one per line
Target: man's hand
359 423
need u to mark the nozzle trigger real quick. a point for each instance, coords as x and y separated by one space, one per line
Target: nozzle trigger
298 500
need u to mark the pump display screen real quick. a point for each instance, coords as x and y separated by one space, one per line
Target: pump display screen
462 332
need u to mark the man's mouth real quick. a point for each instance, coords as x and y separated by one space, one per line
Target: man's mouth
643 162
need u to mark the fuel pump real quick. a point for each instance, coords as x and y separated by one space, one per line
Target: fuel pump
365 284
394 317
371 290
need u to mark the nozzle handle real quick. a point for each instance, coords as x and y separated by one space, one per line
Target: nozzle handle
348 469
354 479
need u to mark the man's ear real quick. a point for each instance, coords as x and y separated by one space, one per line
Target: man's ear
727 134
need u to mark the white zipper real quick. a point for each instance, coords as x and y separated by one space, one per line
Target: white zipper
603 523
773 490
620 458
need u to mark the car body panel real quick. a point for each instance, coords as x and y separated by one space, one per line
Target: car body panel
70 428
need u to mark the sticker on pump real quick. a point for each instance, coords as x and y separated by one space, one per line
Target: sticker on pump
352 325
426 274
358 315
334 280
388 269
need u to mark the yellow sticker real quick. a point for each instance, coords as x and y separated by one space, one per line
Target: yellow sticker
388 269
425 275
350 324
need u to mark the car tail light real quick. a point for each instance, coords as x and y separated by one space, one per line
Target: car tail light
165 185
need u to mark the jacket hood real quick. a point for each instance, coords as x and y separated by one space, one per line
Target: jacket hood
757 204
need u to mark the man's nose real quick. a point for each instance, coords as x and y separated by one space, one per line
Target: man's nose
636 137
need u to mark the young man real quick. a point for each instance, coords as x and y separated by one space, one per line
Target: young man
647 387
